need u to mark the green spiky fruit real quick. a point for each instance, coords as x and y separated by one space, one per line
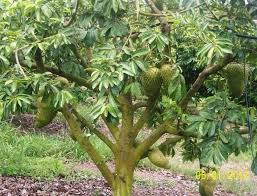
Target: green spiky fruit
207 185
45 112
167 72
157 158
151 81
236 75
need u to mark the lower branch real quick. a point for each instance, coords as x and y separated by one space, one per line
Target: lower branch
89 55
41 68
157 134
86 144
78 80
170 141
19 64
87 124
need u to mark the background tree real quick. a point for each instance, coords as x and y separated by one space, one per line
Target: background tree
155 64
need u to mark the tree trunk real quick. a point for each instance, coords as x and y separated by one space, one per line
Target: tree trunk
125 157
123 180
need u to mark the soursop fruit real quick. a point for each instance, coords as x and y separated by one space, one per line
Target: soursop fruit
151 81
236 76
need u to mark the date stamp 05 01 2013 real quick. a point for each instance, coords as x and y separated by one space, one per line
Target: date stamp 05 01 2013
227 175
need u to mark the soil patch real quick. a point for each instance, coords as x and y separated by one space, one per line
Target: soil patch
26 123
24 186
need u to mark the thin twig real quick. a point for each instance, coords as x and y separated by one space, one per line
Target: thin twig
164 15
19 65
165 26
73 17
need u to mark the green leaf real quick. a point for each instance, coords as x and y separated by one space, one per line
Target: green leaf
136 89
91 37
225 50
192 127
46 11
223 137
202 129
213 153
212 129
1 109
115 5
141 52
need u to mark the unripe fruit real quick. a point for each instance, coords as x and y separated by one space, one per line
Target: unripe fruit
236 76
207 185
45 112
166 74
151 81
157 158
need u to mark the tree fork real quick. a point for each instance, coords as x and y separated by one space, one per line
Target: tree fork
144 146
115 131
100 135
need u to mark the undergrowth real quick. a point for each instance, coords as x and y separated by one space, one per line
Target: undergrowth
39 155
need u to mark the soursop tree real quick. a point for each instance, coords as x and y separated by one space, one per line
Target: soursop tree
130 58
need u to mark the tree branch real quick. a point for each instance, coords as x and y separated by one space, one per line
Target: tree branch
87 145
112 128
168 142
78 56
89 55
141 121
78 80
126 133
201 78
140 105
87 124
39 59
165 26
157 134
73 16
171 140
179 12
150 108
18 63
151 14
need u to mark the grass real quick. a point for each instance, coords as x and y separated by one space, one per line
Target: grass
40 155
47 157
234 164
239 163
